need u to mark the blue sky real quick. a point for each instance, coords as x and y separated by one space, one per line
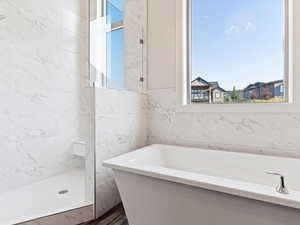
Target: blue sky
117 3
237 42
115 46
115 59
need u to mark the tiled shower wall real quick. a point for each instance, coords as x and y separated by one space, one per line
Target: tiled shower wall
44 93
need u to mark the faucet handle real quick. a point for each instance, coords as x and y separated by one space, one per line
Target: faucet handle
281 188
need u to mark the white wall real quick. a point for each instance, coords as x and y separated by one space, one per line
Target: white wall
44 97
161 44
135 28
269 133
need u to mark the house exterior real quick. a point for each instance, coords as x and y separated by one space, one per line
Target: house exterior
260 90
206 92
278 89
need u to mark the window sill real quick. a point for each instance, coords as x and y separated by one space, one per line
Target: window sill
240 108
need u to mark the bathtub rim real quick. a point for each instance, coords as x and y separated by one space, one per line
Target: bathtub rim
244 189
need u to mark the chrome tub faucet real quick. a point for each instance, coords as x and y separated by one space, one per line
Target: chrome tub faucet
281 188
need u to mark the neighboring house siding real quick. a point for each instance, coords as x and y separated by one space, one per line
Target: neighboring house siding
200 95
211 92
203 91
279 90
218 96
265 90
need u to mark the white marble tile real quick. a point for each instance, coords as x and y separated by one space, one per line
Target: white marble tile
120 128
264 133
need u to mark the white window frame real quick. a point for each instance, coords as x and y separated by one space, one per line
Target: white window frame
281 88
97 43
292 82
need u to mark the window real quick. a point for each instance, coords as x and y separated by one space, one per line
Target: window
281 88
114 44
115 59
238 51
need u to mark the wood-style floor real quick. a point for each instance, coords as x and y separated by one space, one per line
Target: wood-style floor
115 217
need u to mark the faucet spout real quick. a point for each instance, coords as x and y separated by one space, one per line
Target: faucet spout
281 188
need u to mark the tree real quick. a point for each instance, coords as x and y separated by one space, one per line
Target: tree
227 98
235 95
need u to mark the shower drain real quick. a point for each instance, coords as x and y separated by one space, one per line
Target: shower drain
63 192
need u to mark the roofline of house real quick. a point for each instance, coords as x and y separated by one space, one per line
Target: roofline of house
201 80
220 89
275 82
209 83
262 84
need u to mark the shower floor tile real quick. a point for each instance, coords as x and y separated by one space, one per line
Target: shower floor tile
43 199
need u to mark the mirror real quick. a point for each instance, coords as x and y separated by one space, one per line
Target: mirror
117 44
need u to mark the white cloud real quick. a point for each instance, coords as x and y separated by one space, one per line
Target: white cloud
232 29
239 28
250 26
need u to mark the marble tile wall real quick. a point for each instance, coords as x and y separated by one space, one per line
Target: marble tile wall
120 128
262 133
44 93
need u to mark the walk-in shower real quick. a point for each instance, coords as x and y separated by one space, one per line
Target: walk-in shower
46 111
62 65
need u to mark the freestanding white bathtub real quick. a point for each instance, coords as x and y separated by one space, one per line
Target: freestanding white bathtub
169 185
